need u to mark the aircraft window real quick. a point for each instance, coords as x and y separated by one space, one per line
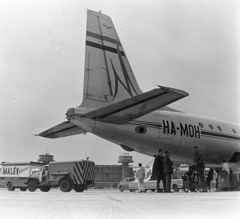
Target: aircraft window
219 128
200 124
234 131
210 126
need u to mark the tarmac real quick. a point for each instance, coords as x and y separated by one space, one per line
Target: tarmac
113 204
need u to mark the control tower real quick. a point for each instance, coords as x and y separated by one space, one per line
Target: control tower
45 158
125 159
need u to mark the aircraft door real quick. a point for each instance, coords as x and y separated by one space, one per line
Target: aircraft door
165 127
169 132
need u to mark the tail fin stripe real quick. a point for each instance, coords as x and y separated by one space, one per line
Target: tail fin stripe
125 73
108 39
106 48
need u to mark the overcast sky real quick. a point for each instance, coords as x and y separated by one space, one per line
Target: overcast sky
185 44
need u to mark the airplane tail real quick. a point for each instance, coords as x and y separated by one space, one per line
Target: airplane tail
111 93
108 77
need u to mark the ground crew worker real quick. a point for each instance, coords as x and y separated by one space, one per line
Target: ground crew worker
199 166
45 173
140 175
168 171
209 179
158 166
226 167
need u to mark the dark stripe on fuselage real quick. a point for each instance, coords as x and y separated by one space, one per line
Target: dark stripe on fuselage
148 124
102 47
214 134
203 133
105 38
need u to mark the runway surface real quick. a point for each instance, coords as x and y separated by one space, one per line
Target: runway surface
111 204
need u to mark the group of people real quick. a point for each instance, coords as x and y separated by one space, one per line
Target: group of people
162 170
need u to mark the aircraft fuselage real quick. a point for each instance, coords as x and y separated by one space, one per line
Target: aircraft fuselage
173 131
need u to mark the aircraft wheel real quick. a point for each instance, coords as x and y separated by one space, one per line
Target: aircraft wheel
153 190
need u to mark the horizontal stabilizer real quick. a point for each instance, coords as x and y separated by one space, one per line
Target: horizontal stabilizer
137 106
64 129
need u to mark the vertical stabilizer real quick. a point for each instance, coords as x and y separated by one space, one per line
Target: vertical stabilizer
108 77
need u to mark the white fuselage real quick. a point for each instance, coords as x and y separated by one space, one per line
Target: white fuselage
173 131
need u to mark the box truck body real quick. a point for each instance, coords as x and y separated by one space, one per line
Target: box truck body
67 175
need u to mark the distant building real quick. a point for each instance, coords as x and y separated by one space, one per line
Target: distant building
125 159
111 175
45 158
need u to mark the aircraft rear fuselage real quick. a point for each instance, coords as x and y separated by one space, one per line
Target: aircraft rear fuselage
172 131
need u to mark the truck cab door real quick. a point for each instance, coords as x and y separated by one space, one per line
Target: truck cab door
41 175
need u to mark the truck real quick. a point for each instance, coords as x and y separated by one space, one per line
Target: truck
68 175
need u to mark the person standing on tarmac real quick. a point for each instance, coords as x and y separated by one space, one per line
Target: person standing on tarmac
154 171
199 166
168 171
209 179
158 166
140 175
226 167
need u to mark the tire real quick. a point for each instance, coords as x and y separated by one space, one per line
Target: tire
121 189
10 187
175 188
32 185
153 190
78 188
45 188
23 189
130 190
65 185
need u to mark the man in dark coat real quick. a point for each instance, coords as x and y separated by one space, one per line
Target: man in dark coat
168 171
199 166
158 167
154 171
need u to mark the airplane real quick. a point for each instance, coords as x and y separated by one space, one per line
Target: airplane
115 109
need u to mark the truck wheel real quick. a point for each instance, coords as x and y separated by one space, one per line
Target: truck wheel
45 188
65 185
78 188
23 189
10 187
32 185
